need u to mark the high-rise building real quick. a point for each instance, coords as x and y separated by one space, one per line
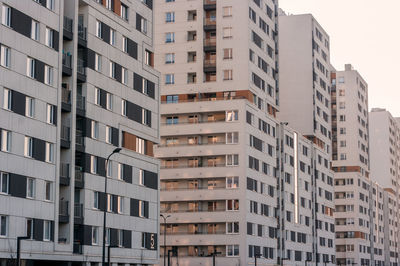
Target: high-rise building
77 82
304 97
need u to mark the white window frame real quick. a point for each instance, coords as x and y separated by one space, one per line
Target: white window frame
124 12
97 62
48 187
169 37
6 16
232 115
7 99
231 225
109 101
123 107
29 107
28 147
110 202
30 67
141 209
232 160
50 114
108 134
124 44
50 4
141 177
95 235
232 138
109 168
120 175
5 140
232 182
169 17
46 230
5 56
120 204
4 183
48 75
99 29
113 37
125 75
143 28
97 96
96 200
29 228
109 4
140 145
30 188
49 152
233 248
49 36
169 79
112 70
95 130
35 30
3 225
93 164
169 58
120 238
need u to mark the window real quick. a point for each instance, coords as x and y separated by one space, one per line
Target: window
95 130
172 98
124 12
120 175
97 62
228 74
227 11
48 75
99 29
232 228
123 107
112 36
3 225
109 168
35 30
172 120
5 56
141 177
148 58
49 152
140 145
170 58
232 250
51 113
109 4
30 188
4 182
97 95
232 138
141 208
169 79
30 70
232 182
227 32
227 53
29 107
124 77
29 228
232 205
120 204
93 164
46 230
95 235
50 4
108 134
231 116
170 37
110 202
5 140
143 25
232 160
120 238
124 44
112 70
6 16
28 147
48 190
7 101
170 17
50 37
96 200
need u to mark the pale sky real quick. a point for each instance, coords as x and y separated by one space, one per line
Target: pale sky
366 34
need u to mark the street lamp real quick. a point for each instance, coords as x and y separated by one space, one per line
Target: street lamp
214 254
165 235
19 248
257 255
109 256
116 150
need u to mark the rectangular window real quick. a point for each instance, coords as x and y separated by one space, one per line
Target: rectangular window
28 147
6 16
50 37
170 17
29 107
112 70
95 130
124 76
228 74
48 190
143 25
120 204
232 228
3 225
227 53
140 146
30 67
141 177
232 182
97 95
48 75
50 4
51 112
227 32
5 56
124 12
95 235
35 30
109 168
30 188
93 164
232 250
109 4
7 99
232 138
227 11
141 208
123 107
170 58
169 37
99 29
96 199
120 171
110 202
4 182
49 152
108 134
5 140
232 160
169 79
97 62
112 36
29 228
231 116
124 44
232 205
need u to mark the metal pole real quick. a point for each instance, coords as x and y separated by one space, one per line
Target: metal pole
214 259
169 257
165 237
109 249
255 260
19 248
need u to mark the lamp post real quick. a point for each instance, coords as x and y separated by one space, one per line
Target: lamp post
116 150
19 248
257 255
326 261
307 260
109 256
165 235
214 254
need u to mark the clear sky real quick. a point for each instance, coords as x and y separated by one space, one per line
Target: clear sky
366 34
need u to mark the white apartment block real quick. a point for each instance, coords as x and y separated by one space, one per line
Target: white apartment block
233 179
76 82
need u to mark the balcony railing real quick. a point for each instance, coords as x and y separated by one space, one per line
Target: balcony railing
194 122
207 99
67 60
210 2
78 210
218 232
64 170
192 189
68 24
66 95
193 210
210 42
63 208
65 133
81 102
192 144
82 32
81 67
193 165
78 175
210 21
210 62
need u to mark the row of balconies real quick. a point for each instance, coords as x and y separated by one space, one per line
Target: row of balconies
199 206
194 184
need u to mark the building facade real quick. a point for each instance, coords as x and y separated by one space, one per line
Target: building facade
77 82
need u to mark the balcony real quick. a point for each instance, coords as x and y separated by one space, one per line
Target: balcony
63 213
78 213
65 98
210 44
210 77
82 35
206 98
68 26
81 70
210 5
80 104
79 180
188 165
210 65
210 24
64 174
67 64
78 249
65 137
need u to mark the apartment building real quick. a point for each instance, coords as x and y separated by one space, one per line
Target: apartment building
304 80
77 82
384 153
